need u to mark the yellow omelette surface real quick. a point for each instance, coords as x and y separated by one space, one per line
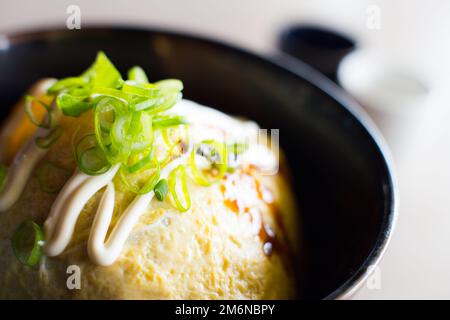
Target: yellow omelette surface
213 251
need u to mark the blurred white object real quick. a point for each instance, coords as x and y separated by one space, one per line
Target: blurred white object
394 95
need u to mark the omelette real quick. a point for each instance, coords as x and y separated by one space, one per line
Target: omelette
114 188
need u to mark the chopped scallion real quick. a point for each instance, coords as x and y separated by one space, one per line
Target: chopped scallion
140 89
66 84
47 119
170 84
27 243
90 158
216 154
177 187
72 105
137 74
168 121
103 73
142 181
127 115
48 140
161 189
49 172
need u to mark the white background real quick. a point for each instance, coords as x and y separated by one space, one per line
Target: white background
414 34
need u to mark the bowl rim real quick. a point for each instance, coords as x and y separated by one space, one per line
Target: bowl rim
284 63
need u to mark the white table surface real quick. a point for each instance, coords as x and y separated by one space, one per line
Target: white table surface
417 262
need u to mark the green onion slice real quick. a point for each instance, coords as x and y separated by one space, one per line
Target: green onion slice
48 173
107 110
170 84
161 152
66 84
110 92
138 161
178 188
144 133
137 74
170 99
160 104
126 116
46 122
161 189
27 243
90 158
48 140
122 132
146 104
175 140
103 73
216 154
142 181
74 102
3 175
174 135
166 121
132 132
145 90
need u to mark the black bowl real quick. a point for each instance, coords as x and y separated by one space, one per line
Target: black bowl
341 175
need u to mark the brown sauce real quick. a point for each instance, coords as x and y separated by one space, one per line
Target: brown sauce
272 242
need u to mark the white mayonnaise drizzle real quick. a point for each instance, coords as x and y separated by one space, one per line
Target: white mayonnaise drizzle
23 164
106 253
19 172
67 207
206 123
